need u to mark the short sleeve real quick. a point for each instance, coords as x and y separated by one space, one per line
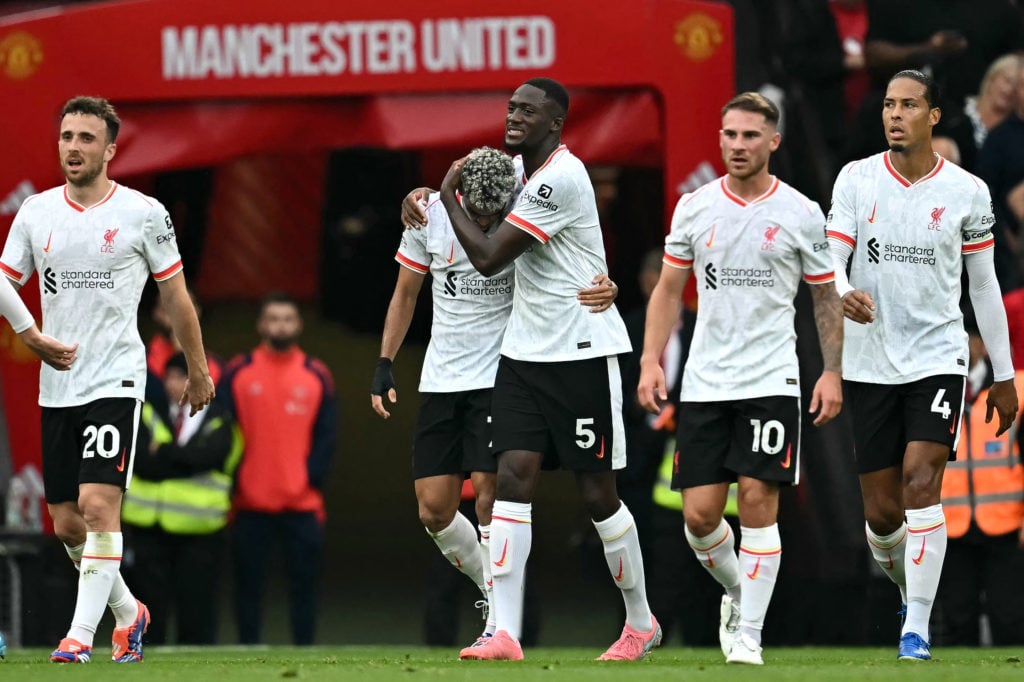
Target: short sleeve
549 203
977 228
412 249
814 249
160 244
16 261
678 242
841 224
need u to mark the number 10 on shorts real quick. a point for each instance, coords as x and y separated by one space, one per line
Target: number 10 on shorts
769 436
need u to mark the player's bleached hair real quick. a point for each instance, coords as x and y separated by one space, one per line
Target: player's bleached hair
931 90
755 103
488 179
95 106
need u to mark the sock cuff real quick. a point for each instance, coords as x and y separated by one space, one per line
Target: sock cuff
103 545
711 540
452 527
761 540
75 552
886 541
616 525
925 521
513 512
485 531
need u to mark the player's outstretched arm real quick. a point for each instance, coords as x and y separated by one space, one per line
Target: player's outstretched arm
662 312
827 397
396 325
199 389
413 215
599 297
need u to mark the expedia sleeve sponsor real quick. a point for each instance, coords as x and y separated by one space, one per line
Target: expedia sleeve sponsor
538 199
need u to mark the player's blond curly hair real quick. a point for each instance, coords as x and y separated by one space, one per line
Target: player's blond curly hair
488 179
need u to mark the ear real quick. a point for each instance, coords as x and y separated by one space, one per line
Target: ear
934 115
776 140
556 124
109 152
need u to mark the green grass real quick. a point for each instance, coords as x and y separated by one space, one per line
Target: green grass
409 664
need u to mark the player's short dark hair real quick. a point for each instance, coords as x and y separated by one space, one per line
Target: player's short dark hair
95 106
176 361
553 90
755 103
275 297
488 180
931 90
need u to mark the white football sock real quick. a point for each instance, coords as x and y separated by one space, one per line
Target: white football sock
100 563
511 539
485 555
121 600
760 558
889 552
716 552
622 552
926 549
460 546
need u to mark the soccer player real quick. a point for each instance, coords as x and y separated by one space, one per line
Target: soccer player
750 238
93 243
912 223
557 394
470 313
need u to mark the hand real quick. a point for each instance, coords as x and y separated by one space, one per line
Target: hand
948 42
1002 398
413 216
859 306
453 178
383 381
198 393
651 392
828 396
599 297
1015 202
51 351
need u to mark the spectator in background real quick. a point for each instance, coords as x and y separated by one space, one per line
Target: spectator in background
983 501
176 510
284 403
851 17
1001 166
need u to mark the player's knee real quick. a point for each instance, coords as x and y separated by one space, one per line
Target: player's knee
701 522
435 519
884 520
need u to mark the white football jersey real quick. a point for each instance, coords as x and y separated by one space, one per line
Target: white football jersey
908 243
548 324
93 264
748 258
470 310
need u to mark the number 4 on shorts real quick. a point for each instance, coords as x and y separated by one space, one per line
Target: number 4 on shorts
940 406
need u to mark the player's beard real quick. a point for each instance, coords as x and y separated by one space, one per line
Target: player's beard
281 343
897 147
84 179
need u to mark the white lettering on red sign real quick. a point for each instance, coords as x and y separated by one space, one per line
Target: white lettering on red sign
357 48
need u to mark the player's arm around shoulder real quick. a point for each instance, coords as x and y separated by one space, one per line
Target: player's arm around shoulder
827 397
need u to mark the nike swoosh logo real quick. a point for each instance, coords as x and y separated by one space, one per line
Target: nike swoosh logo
711 562
490 583
711 239
952 427
46 249
504 551
120 467
789 451
618 578
891 565
451 256
920 557
600 453
757 568
871 218
458 562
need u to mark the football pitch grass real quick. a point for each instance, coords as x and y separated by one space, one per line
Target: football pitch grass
386 663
